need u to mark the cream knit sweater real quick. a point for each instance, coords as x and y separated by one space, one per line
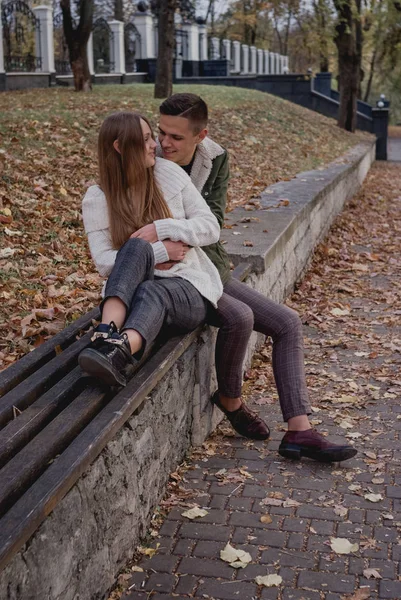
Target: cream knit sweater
193 223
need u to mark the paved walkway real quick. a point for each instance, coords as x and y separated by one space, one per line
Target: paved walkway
284 513
394 149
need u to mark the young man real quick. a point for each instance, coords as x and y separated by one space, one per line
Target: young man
183 139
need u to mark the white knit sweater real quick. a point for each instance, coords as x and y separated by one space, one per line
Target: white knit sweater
193 223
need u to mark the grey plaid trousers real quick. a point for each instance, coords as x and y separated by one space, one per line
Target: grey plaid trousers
240 310
152 302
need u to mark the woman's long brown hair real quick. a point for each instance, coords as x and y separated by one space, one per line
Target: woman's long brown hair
133 196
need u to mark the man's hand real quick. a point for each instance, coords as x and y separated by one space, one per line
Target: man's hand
176 250
147 233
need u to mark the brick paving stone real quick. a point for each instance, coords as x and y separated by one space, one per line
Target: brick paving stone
336 565
186 584
300 595
291 524
205 567
164 563
240 504
269 594
323 527
161 582
295 541
397 552
183 547
303 560
326 581
217 501
245 519
223 590
199 531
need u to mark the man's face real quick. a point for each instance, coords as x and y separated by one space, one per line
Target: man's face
177 139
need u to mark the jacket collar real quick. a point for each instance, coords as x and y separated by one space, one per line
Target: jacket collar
206 152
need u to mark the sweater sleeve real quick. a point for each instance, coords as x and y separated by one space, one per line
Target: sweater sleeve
96 223
199 228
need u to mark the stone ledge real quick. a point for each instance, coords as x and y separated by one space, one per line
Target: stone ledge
94 530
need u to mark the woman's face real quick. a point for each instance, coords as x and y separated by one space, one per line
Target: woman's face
150 145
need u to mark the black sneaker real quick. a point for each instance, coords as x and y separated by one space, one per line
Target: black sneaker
107 357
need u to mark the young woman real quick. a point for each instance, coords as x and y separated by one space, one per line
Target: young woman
145 224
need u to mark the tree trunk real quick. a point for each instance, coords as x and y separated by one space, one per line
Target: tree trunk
371 73
164 66
77 42
118 10
349 57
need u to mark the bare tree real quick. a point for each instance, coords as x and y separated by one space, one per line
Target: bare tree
77 41
348 40
166 44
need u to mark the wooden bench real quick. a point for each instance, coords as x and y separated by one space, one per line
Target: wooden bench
54 421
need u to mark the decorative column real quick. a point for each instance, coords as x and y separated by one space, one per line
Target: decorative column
286 65
178 56
215 48
236 57
202 42
117 54
245 59
253 60
260 62
44 38
227 49
89 53
145 27
267 64
273 63
192 31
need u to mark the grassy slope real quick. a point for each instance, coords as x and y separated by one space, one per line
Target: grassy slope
48 158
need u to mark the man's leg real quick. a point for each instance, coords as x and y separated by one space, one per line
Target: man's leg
284 326
235 322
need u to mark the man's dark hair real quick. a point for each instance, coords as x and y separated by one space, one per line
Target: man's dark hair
189 106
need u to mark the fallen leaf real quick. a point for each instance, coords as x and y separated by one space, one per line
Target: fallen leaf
341 511
362 594
266 519
236 558
368 573
343 546
269 580
194 513
373 497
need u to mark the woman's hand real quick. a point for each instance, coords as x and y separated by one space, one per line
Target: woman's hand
166 265
147 233
176 250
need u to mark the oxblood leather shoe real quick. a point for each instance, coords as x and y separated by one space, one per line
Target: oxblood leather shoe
244 421
312 444
107 356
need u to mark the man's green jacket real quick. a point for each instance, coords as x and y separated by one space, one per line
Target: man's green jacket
210 174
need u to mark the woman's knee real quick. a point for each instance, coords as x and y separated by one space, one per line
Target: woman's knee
137 246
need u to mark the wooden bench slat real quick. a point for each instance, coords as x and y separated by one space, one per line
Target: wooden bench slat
25 516
26 392
19 473
21 430
31 362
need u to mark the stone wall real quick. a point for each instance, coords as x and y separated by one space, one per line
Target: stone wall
77 552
